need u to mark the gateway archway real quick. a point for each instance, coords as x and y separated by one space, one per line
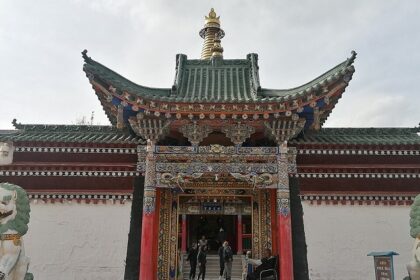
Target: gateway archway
218 218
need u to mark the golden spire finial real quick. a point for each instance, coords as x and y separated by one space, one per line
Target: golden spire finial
209 33
217 50
212 18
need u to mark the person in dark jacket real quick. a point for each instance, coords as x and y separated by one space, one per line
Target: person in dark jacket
268 262
228 258
202 260
192 258
221 261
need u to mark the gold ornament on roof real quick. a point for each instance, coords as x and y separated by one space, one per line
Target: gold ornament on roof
212 18
212 35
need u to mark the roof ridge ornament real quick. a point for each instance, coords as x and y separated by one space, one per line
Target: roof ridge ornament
16 124
352 58
85 57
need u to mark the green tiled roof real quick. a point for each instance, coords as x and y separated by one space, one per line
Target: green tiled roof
69 134
369 136
107 76
109 134
215 80
329 76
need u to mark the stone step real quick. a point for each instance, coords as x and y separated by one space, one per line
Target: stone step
215 278
213 268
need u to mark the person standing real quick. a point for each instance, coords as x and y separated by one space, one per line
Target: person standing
228 258
192 257
221 235
221 260
203 241
202 260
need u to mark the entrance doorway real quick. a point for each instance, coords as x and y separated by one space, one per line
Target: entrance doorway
216 229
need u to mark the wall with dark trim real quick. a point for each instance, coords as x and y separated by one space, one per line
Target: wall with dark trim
132 262
300 260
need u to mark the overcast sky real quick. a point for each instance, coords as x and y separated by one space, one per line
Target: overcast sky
41 73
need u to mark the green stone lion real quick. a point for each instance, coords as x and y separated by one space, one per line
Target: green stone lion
414 266
14 219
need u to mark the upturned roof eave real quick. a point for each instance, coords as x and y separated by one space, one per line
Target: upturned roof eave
121 85
321 81
101 72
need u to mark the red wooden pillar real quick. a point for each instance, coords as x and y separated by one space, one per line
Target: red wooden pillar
284 227
284 235
239 234
184 234
147 262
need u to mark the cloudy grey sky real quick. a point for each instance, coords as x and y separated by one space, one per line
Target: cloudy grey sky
41 73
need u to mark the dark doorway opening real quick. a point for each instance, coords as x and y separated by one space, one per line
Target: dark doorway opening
210 226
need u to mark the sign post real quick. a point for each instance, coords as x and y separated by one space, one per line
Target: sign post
384 264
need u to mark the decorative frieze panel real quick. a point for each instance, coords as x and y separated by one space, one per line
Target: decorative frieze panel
195 133
190 168
171 180
221 191
238 132
360 152
361 175
76 150
257 150
65 173
216 149
68 198
254 165
176 149
263 180
355 199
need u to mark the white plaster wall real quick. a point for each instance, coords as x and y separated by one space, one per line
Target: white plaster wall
339 237
78 241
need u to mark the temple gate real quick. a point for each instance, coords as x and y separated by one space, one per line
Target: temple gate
210 173
216 135
215 173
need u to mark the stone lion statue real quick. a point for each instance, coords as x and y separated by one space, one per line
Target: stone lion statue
14 219
414 266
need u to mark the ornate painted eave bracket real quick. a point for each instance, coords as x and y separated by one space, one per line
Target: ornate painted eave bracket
283 130
150 129
195 133
237 132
